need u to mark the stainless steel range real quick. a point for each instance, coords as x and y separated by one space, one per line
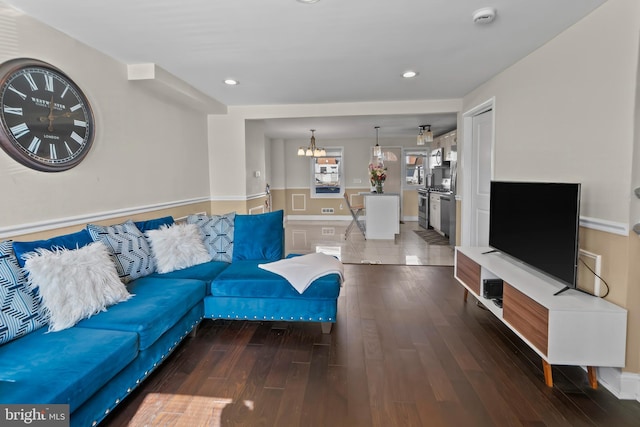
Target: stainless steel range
423 207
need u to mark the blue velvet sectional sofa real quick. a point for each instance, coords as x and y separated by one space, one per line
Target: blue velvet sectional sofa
95 364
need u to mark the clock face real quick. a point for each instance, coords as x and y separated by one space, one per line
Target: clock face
46 121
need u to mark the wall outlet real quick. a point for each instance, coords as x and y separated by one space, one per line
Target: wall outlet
327 210
357 181
586 279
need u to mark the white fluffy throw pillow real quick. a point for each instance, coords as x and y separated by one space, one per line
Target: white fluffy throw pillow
74 284
177 247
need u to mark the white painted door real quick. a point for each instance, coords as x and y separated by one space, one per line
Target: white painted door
482 137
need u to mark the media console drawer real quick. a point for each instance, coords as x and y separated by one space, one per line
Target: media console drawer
527 317
468 272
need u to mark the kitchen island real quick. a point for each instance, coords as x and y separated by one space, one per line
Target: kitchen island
383 215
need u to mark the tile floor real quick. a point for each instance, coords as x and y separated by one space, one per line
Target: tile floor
328 236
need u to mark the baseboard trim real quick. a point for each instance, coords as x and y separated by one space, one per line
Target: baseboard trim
623 385
35 227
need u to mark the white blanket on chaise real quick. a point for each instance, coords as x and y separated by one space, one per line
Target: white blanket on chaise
302 270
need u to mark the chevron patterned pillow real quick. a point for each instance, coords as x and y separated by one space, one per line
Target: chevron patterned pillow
19 307
217 234
129 248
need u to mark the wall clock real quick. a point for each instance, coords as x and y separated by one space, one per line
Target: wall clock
46 122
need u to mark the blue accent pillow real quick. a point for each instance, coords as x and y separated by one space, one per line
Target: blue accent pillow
153 224
259 237
217 233
68 241
130 250
20 305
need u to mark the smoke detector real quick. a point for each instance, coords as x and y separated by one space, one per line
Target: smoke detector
485 15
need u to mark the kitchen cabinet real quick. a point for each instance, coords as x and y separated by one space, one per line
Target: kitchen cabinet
450 140
446 141
434 213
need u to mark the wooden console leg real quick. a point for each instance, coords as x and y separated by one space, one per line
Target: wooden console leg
593 377
548 376
326 327
466 294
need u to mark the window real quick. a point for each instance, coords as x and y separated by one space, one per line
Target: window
414 167
327 175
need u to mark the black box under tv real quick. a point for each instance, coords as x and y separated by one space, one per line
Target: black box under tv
492 288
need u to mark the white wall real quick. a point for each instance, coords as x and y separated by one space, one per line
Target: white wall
566 112
147 150
255 157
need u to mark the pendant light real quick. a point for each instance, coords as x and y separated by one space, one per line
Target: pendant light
428 135
420 139
424 135
377 150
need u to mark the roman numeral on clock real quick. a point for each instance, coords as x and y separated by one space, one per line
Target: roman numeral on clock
16 91
77 138
52 151
48 83
12 110
35 144
66 145
20 130
32 82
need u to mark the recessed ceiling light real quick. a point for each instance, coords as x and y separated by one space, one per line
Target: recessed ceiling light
308 1
409 74
231 82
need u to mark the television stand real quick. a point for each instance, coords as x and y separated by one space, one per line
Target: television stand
572 328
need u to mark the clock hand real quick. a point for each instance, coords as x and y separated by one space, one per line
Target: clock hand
45 118
50 116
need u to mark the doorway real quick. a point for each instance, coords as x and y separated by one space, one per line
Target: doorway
477 166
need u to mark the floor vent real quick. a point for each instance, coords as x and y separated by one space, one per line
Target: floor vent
327 210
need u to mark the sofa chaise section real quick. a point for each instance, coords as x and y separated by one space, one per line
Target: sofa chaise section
245 291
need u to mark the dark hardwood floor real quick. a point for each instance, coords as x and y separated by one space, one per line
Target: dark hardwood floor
406 351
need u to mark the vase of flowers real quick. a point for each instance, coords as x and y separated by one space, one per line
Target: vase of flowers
377 176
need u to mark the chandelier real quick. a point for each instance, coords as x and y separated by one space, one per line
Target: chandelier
425 136
312 150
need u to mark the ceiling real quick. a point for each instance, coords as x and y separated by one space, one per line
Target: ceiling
331 51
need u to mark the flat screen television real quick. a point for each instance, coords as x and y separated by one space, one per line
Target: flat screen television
537 223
